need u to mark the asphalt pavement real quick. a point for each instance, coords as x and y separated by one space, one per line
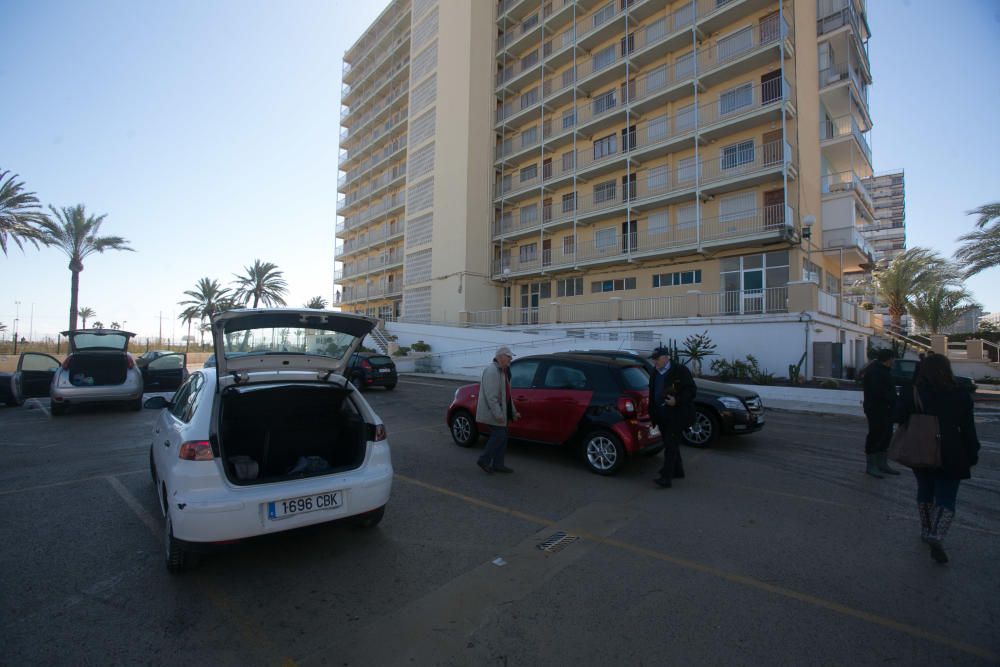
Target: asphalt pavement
775 549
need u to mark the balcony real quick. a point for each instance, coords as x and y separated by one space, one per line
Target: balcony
376 44
833 132
364 145
389 152
387 206
365 241
372 292
744 50
849 182
850 246
596 247
840 76
520 72
361 97
833 15
384 261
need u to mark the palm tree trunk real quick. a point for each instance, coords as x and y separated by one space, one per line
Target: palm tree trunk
187 343
74 294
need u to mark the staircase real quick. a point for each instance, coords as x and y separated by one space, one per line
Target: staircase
888 335
378 335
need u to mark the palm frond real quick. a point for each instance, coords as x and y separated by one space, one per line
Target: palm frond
980 250
986 213
20 213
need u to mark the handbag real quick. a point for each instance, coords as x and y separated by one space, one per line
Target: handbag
917 442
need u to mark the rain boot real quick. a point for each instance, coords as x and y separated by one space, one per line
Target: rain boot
925 521
872 468
941 518
883 464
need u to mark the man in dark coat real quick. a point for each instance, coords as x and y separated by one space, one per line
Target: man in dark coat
671 408
880 397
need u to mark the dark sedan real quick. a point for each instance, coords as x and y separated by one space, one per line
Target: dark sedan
372 369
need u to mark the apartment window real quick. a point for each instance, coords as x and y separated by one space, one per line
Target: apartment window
737 154
617 285
506 147
546 210
569 202
656 179
529 23
684 66
604 147
656 30
657 223
630 236
656 79
677 278
770 87
628 44
604 102
568 119
628 91
603 58
684 119
604 238
735 99
832 284
628 187
734 44
506 218
529 215
568 160
686 170
656 129
505 183
604 192
506 296
529 136
529 173
529 98
569 245
528 253
628 138
547 168
737 210
529 60
569 287
605 15
687 218
568 77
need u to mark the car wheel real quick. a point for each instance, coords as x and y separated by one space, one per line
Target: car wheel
463 429
603 452
369 519
358 381
179 554
704 431
136 405
58 409
390 387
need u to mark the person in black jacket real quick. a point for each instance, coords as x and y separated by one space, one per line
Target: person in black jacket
880 398
937 488
671 408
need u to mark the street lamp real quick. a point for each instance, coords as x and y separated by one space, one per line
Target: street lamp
807 224
17 317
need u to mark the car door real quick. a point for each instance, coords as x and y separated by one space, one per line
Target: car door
169 432
563 395
34 375
165 373
522 390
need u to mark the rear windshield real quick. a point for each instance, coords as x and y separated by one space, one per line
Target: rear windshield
100 341
380 361
635 377
287 340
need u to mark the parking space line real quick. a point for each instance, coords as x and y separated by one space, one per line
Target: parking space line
440 385
39 487
41 407
732 577
135 506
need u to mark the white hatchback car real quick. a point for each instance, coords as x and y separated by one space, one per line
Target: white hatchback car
273 438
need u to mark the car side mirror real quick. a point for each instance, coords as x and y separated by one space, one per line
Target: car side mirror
156 403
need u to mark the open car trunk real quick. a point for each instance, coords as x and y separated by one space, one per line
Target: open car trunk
271 433
97 368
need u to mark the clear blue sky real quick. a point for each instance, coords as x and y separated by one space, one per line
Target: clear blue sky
207 131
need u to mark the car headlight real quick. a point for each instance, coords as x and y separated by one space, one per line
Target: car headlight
732 402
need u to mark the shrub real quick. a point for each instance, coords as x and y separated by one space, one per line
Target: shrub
830 384
421 346
401 352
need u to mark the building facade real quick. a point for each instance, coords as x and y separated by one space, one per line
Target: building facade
571 152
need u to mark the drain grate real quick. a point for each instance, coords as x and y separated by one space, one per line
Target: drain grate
557 542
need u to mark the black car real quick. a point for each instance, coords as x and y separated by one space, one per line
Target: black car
721 409
372 369
903 371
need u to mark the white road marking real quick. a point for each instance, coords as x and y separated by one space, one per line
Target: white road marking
27 489
41 407
433 384
135 506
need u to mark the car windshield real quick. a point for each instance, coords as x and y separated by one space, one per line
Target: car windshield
100 341
380 360
287 340
635 377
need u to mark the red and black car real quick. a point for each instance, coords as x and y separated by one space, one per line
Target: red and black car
597 404
371 369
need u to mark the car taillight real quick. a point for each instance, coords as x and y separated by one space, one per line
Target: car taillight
380 432
196 450
66 362
365 364
130 361
627 406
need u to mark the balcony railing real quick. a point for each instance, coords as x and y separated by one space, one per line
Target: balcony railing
838 72
372 212
847 181
394 288
389 151
374 41
364 145
364 96
357 268
680 237
373 238
842 127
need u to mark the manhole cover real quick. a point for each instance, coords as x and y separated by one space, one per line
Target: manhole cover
557 542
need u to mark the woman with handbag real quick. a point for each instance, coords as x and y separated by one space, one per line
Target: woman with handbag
935 393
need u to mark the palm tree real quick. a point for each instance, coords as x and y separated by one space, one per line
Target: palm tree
75 233
262 283
207 297
85 314
980 249
189 315
204 328
116 326
19 213
941 306
909 273
98 324
317 302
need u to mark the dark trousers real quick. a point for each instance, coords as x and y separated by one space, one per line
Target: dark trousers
932 489
673 466
879 430
496 446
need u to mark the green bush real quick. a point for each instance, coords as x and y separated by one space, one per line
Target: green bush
830 384
421 346
401 352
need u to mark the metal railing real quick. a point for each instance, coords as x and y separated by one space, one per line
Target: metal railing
374 237
845 126
654 308
485 318
847 181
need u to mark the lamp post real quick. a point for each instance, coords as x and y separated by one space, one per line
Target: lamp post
17 317
807 224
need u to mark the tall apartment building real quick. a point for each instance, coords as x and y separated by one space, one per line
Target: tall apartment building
888 235
586 149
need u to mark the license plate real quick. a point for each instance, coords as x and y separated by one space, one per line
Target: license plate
384 370
282 509
654 431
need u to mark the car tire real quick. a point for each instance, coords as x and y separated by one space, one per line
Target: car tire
179 554
704 431
136 405
603 452
58 409
368 519
358 381
390 387
463 429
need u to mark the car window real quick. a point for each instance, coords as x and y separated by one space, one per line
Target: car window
379 360
562 376
38 362
185 400
170 362
635 377
92 340
522 373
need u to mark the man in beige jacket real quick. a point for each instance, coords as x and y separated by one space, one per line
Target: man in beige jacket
495 409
